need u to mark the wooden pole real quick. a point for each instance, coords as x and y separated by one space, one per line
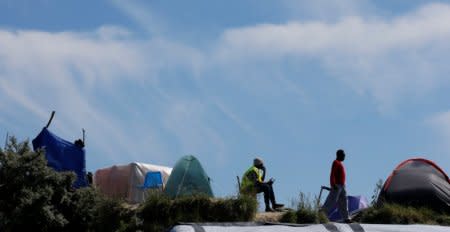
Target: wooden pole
84 137
50 120
6 140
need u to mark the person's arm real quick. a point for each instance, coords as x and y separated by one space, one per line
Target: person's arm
263 168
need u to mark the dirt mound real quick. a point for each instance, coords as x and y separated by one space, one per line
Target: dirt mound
268 216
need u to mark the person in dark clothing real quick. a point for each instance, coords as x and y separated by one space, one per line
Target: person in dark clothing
253 183
338 194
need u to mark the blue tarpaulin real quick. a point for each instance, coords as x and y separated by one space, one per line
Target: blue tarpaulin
62 155
355 205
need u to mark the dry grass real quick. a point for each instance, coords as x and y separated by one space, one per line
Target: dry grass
269 216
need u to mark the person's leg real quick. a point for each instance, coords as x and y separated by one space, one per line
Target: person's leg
271 195
275 205
266 191
331 200
343 204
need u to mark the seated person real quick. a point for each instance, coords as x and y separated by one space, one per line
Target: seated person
253 183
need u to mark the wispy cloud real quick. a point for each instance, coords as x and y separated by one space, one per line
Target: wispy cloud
326 10
68 72
143 15
126 90
391 60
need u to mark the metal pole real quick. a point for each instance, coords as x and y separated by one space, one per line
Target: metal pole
50 120
320 194
6 140
84 137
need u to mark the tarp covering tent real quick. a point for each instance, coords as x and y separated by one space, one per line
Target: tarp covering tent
418 182
329 227
355 205
188 178
62 155
123 181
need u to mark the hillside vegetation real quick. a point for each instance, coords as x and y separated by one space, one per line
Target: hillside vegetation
34 196
386 213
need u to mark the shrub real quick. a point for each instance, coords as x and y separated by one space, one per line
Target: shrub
88 210
376 192
159 212
307 210
399 214
33 195
30 192
289 217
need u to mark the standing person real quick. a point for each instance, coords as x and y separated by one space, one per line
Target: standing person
338 194
253 183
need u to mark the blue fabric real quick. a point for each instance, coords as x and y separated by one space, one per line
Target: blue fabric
152 180
355 204
62 155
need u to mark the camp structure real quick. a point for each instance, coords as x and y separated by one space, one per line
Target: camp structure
188 178
62 155
418 182
279 227
356 204
125 181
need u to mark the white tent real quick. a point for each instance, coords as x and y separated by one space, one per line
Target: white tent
330 227
122 181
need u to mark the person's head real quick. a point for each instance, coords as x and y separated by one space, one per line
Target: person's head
258 162
340 155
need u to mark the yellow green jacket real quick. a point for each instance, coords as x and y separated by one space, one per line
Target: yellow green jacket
251 177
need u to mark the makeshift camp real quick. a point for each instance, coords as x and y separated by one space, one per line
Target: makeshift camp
330 227
417 182
188 178
62 155
356 204
126 181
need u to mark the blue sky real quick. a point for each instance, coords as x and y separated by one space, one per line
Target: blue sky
289 81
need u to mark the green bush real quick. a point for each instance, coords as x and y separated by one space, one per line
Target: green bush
33 195
399 214
289 217
306 216
30 192
307 211
159 212
88 210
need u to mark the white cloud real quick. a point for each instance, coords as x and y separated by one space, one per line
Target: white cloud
82 74
350 35
67 71
328 10
389 60
187 120
141 14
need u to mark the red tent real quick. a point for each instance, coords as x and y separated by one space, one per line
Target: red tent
418 182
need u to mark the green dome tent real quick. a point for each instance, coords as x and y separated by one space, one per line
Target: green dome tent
188 178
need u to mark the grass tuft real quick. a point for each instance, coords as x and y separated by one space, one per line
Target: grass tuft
307 212
159 212
399 214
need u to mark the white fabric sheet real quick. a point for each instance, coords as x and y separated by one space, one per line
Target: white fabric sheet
334 227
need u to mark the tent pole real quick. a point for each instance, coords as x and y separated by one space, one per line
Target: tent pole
320 194
84 136
50 120
6 140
